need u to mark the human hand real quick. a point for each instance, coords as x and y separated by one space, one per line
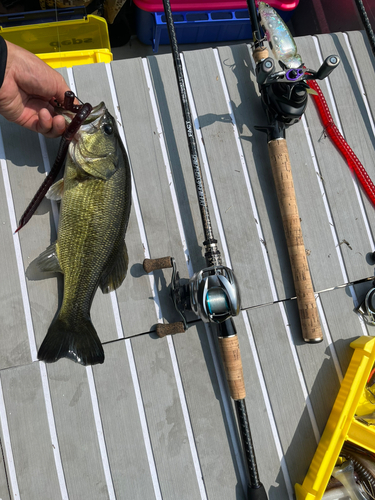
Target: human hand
28 91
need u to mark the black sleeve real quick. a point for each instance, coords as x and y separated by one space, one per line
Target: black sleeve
3 59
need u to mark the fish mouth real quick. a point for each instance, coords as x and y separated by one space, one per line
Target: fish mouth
96 112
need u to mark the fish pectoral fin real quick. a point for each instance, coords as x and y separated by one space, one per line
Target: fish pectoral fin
47 262
56 191
114 274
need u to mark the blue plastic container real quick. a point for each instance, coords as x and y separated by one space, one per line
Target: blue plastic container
196 27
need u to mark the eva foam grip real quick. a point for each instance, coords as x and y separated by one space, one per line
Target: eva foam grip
162 330
230 353
155 264
282 174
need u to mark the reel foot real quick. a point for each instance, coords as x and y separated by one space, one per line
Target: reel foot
155 264
163 330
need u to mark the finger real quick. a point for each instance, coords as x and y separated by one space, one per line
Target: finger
58 127
48 126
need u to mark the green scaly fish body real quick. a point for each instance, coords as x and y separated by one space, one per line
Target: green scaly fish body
90 249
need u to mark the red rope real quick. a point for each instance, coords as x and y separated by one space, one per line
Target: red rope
354 164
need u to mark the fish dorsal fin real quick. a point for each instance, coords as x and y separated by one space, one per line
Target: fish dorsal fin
114 274
56 191
47 262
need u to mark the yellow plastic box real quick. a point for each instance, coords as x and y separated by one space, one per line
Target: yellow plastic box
64 43
341 425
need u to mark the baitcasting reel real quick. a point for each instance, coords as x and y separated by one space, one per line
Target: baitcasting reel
284 93
212 294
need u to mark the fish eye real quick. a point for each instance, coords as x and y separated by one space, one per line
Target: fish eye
107 129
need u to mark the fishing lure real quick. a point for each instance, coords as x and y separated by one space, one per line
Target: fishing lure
279 37
82 112
353 162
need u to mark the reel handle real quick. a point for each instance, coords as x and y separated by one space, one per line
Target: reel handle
150 265
162 330
282 174
329 64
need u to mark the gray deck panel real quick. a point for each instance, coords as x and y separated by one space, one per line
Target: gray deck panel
26 173
29 432
317 365
121 425
76 431
287 399
168 434
234 204
15 349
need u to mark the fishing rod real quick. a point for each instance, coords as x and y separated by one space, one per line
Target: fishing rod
284 100
366 23
212 293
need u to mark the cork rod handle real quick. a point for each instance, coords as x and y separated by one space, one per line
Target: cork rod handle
150 265
230 352
282 174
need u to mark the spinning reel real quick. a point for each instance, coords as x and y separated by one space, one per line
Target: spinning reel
284 93
212 294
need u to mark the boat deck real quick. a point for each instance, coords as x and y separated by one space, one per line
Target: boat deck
155 420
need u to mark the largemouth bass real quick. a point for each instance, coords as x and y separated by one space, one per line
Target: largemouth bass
90 249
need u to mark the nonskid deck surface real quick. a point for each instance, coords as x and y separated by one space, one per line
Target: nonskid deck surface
155 420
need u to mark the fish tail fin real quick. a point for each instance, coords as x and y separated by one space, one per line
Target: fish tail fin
78 342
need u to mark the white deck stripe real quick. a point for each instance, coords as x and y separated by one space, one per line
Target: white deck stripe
232 425
265 254
53 433
172 351
143 420
100 433
129 350
8 447
18 252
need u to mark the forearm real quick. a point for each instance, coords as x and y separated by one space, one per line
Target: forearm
3 59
